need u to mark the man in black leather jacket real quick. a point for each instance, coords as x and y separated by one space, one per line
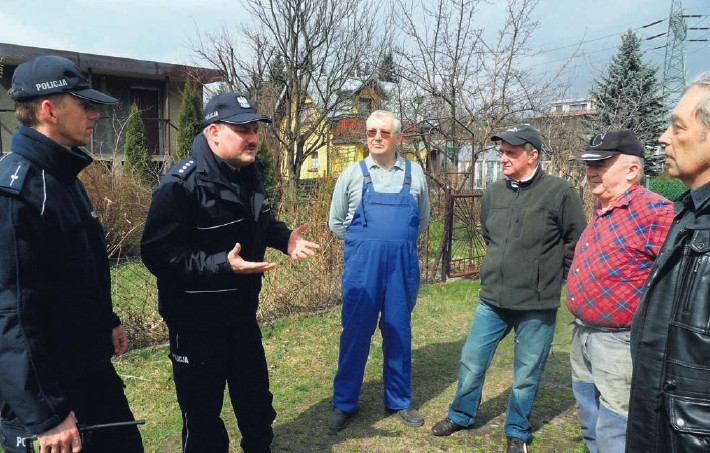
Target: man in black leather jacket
669 408
205 238
57 328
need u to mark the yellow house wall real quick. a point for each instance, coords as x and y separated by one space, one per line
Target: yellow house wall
333 158
342 155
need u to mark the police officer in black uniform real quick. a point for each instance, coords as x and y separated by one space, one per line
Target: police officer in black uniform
205 238
57 328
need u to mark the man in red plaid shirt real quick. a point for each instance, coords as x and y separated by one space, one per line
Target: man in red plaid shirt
611 263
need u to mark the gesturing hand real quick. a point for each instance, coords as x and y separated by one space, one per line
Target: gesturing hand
299 248
241 266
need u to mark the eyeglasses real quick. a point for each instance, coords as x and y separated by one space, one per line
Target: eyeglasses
372 133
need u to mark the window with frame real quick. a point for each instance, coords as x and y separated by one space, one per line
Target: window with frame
364 106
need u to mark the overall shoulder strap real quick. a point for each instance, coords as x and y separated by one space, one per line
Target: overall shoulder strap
407 183
366 178
365 172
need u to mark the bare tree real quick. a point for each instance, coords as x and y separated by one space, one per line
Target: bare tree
439 53
476 79
316 46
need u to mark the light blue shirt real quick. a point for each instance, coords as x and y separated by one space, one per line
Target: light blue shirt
348 191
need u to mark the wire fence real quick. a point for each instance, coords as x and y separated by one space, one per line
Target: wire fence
303 286
452 246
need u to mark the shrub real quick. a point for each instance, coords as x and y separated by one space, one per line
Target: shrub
189 120
271 184
135 149
121 202
670 188
305 285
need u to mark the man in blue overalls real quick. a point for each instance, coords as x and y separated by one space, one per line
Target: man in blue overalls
380 206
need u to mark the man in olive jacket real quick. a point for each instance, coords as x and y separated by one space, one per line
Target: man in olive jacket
531 222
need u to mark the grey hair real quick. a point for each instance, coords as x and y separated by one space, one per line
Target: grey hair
638 160
385 114
530 148
702 110
204 129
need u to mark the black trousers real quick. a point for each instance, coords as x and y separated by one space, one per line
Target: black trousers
204 361
96 398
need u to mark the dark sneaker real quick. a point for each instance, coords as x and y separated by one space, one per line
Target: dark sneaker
446 427
516 445
410 416
338 419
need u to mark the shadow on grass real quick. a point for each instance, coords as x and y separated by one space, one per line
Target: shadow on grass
432 373
435 371
552 406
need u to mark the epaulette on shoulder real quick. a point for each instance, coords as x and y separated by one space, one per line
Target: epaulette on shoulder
13 172
183 168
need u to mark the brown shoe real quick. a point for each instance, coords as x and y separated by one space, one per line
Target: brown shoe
446 427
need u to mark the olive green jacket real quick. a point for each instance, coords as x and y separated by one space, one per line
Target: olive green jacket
531 229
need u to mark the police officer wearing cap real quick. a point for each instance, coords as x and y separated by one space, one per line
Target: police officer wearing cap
57 328
205 238
530 222
612 260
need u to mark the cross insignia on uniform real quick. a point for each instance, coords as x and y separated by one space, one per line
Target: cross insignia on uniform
14 177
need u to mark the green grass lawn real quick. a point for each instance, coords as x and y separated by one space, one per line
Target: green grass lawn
302 354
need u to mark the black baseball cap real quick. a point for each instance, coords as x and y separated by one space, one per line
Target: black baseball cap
50 74
519 135
610 143
232 108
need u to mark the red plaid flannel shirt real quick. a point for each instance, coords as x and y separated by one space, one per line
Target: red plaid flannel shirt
614 256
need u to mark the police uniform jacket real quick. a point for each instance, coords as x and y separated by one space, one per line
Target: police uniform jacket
201 209
56 318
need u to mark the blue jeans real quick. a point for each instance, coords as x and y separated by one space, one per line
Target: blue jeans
601 382
534 331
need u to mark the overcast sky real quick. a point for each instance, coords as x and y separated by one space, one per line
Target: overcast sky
160 30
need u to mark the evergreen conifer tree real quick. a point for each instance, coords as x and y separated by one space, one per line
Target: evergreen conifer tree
387 71
277 71
629 96
135 150
267 171
189 120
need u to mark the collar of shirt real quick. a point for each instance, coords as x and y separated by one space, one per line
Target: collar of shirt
227 169
238 179
398 162
527 181
696 198
621 201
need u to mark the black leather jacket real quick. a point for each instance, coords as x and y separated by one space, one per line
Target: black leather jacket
199 211
669 407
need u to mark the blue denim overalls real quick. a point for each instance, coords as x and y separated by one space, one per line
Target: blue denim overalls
380 274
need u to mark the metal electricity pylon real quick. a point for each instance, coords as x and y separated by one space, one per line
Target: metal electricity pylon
674 66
